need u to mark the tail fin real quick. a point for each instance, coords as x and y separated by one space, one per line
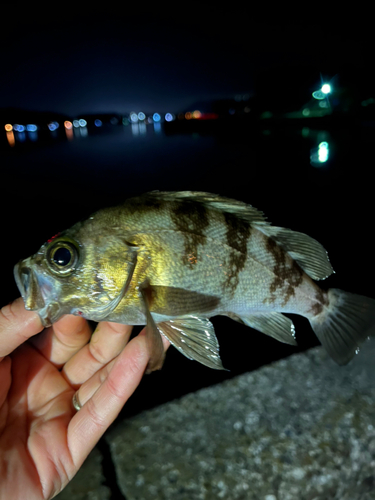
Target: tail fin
344 324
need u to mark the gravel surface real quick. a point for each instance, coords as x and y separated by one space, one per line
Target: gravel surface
302 428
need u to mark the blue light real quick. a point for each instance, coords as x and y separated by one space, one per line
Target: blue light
53 126
18 128
157 127
98 123
75 123
82 122
21 136
156 117
169 117
318 94
31 127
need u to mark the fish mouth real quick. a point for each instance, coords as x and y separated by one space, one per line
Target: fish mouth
31 289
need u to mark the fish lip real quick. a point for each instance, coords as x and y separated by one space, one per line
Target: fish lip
31 289
19 281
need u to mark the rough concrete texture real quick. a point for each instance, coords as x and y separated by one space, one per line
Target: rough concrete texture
88 482
302 428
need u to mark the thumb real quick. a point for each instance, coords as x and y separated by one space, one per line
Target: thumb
16 326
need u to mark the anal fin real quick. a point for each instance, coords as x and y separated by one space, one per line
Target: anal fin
274 324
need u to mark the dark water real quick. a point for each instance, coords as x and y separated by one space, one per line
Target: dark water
46 189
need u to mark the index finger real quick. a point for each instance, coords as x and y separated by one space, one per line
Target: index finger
16 326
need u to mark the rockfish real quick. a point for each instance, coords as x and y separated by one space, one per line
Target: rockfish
172 260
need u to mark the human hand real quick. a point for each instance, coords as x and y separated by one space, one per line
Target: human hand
43 439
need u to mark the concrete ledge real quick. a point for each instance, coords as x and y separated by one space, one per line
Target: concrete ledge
302 428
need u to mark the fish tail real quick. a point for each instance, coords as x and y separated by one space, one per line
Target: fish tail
344 323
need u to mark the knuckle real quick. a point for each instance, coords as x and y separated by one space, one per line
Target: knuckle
97 353
137 362
113 388
7 314
94 414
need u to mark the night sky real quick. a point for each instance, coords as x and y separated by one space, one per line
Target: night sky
156 60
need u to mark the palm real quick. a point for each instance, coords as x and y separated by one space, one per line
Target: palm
35 416
43 439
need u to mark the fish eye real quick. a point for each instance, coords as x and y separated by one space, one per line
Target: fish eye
62 257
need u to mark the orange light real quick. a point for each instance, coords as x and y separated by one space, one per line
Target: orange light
8 127
197 114
10 137
188 115
68 130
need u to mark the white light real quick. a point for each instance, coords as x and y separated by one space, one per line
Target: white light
141 116
326 88
135 129
133 117
75 123
323 152
82 122
320 155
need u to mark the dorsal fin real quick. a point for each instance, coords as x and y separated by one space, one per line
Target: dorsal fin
309 254
216 202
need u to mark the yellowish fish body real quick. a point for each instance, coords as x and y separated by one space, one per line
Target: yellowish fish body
173 260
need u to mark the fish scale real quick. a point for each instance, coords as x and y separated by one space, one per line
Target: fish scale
172 260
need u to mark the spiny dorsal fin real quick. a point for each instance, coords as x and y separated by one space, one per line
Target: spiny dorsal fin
216 202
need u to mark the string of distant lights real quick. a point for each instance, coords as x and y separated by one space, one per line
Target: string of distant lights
138 121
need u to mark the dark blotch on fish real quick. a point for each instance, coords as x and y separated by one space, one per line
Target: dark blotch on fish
290 277
191 219
238 232
145 203
321 301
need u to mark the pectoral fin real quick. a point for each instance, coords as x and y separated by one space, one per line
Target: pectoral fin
195 338
274 324
155 344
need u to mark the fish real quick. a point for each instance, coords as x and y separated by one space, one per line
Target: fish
173 260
